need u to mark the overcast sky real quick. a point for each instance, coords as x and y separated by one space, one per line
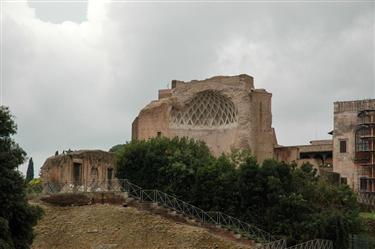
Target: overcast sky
75 75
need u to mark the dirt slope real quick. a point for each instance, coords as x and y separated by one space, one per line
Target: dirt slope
108 226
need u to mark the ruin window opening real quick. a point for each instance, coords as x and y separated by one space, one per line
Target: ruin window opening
109 177
344 180
77 173
207 109
109 174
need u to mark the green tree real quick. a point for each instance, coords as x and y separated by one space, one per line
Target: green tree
17 217
289 201
215 187
294 203
116 148
166 164
30 170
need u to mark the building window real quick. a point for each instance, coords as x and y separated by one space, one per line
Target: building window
159 134
344 180
342 146
361 143
77 173
363 184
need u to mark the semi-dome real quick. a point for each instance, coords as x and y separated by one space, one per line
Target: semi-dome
207 109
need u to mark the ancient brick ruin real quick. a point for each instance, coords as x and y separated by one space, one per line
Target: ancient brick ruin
90 168
228 112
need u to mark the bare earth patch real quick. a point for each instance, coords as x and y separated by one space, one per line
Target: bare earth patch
115 227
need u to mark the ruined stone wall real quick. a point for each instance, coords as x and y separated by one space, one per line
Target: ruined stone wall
56 169
247 126
135 128
94 166
152 120
262 128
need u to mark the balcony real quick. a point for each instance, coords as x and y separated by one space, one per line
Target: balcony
367 172
366 185
367 137
363 157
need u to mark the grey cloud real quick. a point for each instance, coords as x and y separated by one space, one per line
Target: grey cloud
58 12
82 88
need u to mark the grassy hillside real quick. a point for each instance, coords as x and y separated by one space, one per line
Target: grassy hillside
109 226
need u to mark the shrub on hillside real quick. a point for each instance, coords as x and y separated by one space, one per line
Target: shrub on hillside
67 199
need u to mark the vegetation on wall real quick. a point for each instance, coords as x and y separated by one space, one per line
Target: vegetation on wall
17 217
286 200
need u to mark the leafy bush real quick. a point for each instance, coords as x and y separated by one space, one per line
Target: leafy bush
34 187
284 199
67 199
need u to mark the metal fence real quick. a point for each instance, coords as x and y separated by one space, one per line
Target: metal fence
232 223
314 244
266 240
275 244
75 186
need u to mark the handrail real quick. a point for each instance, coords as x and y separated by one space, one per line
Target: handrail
234 223
317 243
275 244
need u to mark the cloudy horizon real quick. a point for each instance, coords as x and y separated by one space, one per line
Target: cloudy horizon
75 75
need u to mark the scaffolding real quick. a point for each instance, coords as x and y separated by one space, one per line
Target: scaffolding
365 151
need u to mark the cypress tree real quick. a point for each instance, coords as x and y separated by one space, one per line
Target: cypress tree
30 171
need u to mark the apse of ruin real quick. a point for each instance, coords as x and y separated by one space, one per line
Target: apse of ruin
226 112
